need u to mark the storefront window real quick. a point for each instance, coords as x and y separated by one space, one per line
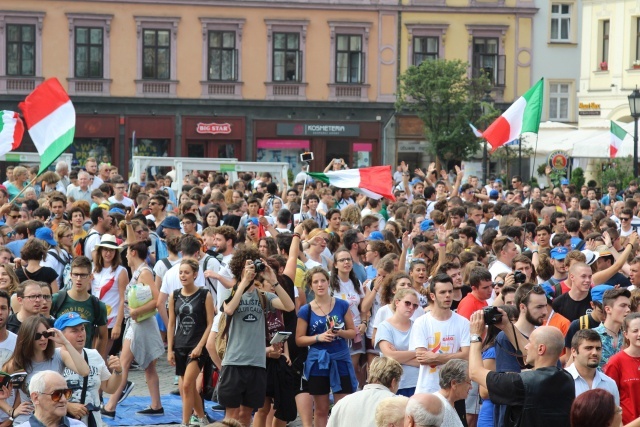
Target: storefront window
282 151
338 150
99 148
152 148
362 154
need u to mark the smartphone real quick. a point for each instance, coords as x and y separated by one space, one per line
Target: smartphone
280 336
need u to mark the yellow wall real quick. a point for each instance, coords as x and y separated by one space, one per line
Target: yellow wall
189 44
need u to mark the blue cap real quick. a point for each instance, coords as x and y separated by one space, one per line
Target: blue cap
69 319
559 253
415 181
494 194
427 225
45 233
117 211
250 221
597 292
548 289
564 181
498 180
171 222
376 235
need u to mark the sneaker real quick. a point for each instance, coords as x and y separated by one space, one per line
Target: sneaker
134 366
107 414
126 391
175 380
196 421
217 407
148 411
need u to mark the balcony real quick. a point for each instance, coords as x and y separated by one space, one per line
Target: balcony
156 88
93 87
18 85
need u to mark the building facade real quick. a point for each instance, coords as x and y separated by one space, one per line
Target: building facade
492 36
263 80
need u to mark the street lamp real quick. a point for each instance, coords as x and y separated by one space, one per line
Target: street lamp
486 103
634 106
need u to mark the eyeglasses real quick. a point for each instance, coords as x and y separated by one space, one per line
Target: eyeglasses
56 395
34 297
14 216
409 304
79 276
344 260
66 236
498 284
45 334
47 297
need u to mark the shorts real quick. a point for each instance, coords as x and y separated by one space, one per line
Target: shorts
357 347
407 392
242 385
183 359
319 386
368 345
472 403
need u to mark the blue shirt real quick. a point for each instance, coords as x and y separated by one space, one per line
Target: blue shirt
609 347
360 272
16 246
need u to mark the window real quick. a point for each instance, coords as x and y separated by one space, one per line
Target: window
21 50
560 22
349 59
287 57
425 48
559 101
156 67
223 56
156 53
487 60
605 41
89 44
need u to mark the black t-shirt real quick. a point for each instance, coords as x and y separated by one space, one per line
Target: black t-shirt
13 323
575 327
191 318
618 279
570 308
44 274
290 322
466 289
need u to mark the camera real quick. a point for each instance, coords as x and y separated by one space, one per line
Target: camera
259 265
491 315
519 276
306 157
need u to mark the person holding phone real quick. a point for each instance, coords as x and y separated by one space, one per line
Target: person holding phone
35 352
191 314
325 325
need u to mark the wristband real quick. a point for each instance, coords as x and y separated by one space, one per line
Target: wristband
117 372
317 340
442 244
296 235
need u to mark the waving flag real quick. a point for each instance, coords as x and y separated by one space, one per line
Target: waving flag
375 182
522 117
11 131
475 130
51 120
617 136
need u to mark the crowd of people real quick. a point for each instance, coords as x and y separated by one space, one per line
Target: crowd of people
456 304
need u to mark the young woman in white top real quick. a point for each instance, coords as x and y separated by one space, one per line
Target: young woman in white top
346 286
392 284
110 280
317 242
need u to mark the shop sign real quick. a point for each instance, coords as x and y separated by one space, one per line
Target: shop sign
412 147
213 128
558 160
317 129
588 109
227 167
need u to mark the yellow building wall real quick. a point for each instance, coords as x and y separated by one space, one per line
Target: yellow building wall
457 42
123 41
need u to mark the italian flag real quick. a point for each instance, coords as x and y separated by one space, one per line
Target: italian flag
522 117
375 182
11 131
51 120
617 136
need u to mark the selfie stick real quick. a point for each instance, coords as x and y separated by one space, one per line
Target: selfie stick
304 186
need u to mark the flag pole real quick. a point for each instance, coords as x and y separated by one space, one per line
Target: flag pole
26 186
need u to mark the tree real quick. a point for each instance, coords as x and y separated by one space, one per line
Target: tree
618 170
510 156
446 100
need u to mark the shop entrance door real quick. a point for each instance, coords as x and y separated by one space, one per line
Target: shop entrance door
213 149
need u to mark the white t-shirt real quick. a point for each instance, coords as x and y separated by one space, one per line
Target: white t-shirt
160 269
451 418
105 287
171 280
125 201
348 293
223 293
499 267
400 340
442 337
98 372
91 240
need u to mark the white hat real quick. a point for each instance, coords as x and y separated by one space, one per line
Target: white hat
109 241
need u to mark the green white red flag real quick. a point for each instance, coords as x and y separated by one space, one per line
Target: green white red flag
51 119
11 131
375 182
522 117
617 136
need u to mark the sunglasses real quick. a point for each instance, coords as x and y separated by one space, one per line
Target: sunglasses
624 219
498 284
45 334
56 395
409 304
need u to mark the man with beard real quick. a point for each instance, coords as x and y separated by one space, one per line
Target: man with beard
224 241
356 244
531 300
438 336
586 349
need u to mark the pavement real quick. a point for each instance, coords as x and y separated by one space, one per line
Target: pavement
166 374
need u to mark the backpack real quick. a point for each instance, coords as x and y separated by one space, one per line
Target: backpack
78 246
584 322
225 322
66 269
208 280
62 297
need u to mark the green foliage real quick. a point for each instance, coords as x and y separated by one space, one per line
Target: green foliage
290 176
577 177
620 171
592 183
445 99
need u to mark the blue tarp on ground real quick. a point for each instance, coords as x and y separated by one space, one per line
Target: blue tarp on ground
126 412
